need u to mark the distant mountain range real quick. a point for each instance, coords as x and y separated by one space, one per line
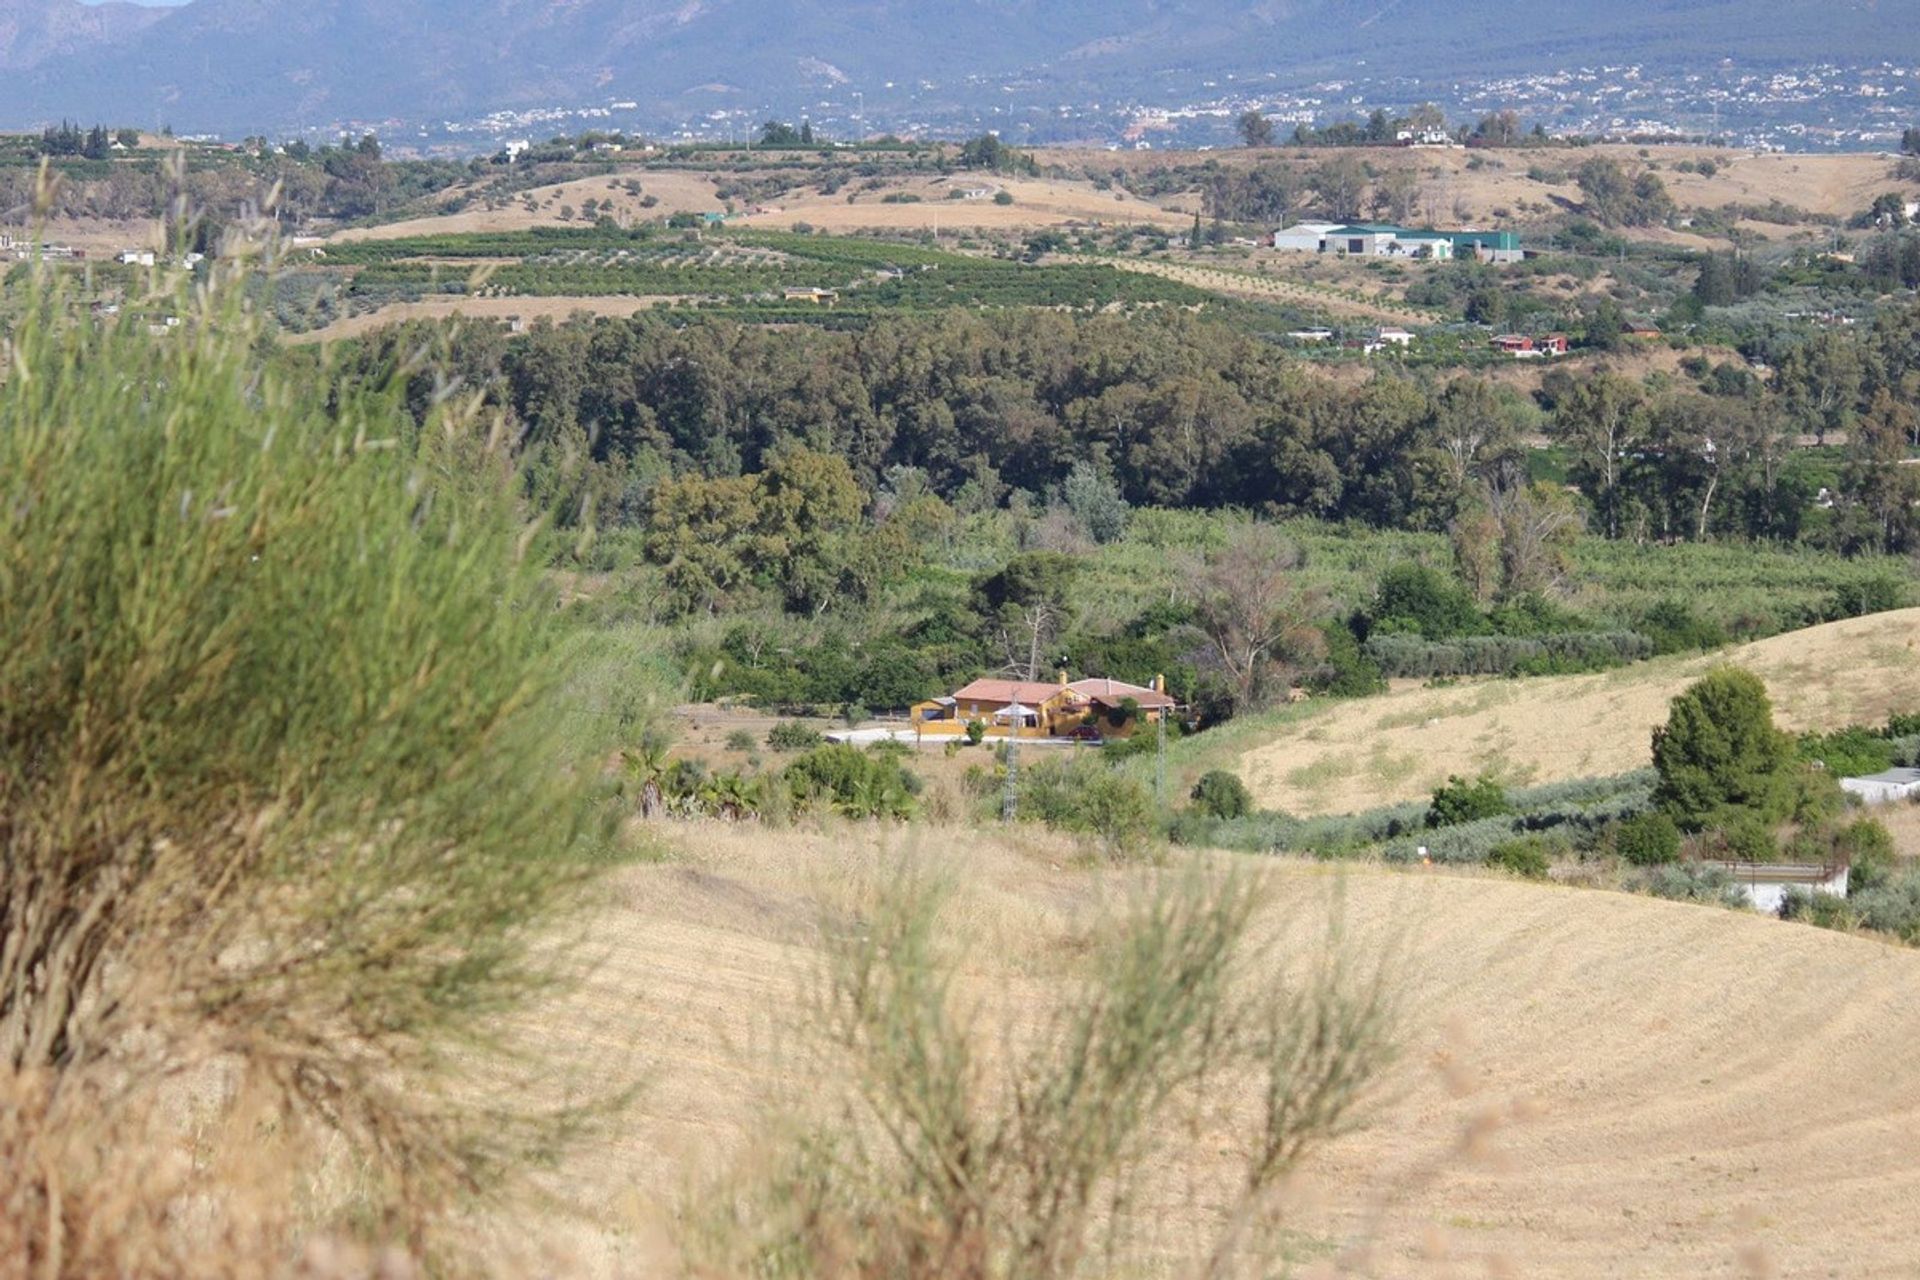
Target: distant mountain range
262 65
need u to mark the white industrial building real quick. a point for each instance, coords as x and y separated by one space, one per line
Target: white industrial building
1304 237
1365 240
1370 240
1384 240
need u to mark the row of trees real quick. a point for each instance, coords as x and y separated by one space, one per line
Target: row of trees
350 179
1344 187
778 133
1179 412
69 139
1692 466
1496 129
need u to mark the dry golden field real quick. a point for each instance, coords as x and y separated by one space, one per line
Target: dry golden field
1378 751
491 309
1591 1084
1037 202
675 193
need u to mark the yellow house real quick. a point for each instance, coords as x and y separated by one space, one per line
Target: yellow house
1109 710
1035 708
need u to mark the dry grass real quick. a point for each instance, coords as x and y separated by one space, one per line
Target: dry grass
1378 751
675 193
1037 202
1594 1085
1833 186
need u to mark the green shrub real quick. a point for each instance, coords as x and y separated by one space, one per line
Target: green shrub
1871 595
1817 797
1345 670
852 782
740 740
791 735
1531 857
1673 627
1744 836
1413 599
1867 847
976 732
1648 840
1822 910
1848 753
1119 809
1460 801
1220 794
1085 794
288 771
1692 882
1892 908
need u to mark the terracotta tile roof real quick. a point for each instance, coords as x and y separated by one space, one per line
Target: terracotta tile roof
1029 693
1113 692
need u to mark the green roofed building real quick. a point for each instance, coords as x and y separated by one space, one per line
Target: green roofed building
1488 246
1386 240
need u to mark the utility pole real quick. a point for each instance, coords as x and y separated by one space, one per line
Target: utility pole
1010 800
1160 761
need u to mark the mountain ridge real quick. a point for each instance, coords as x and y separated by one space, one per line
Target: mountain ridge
255 64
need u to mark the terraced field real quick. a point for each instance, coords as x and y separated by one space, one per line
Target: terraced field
1246 284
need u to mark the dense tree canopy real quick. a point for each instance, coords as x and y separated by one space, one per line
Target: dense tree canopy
1108 413
1719 754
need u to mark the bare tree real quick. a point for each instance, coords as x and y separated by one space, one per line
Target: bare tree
1256 612
1536 523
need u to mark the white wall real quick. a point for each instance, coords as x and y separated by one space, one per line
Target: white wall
1874 791
1769 895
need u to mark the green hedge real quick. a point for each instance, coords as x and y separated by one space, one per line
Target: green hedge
1417 658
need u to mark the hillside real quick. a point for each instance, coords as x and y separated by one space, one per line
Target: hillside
1652 1088
256 64
1377 751
35 31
